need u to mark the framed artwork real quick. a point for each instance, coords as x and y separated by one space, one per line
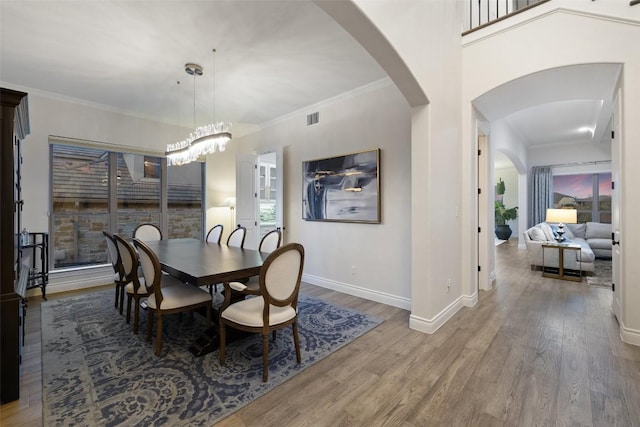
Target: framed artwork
344 188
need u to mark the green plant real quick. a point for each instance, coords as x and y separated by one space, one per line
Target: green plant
500 187
503 214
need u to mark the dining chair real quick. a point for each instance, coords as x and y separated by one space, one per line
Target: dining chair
215 234
236 238
147 232
116 263
270 241
134 286
176 298
275 308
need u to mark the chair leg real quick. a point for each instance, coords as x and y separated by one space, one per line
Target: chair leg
265 357
159 334
136 314
223 342
150 325
129 297
296 341
117 295
121 298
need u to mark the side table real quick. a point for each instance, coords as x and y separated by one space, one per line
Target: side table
560 272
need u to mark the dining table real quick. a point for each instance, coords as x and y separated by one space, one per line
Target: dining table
200 263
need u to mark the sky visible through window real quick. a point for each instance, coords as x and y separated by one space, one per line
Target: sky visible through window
581 186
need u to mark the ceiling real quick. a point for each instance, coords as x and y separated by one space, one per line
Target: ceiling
272 58
567 105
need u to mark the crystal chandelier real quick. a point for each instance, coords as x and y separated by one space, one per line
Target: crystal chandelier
205 139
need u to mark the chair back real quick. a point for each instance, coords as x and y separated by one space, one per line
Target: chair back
281 274
129 259
270 241
236 238
214 235
151 269
114 255
147 232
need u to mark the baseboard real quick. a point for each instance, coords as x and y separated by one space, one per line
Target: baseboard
430 326
75 279
630 336
381 297
469 300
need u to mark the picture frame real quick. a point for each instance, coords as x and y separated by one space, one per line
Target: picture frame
344 188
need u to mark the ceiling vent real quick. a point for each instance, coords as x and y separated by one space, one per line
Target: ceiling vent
313 118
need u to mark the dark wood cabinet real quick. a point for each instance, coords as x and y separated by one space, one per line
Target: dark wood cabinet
14 126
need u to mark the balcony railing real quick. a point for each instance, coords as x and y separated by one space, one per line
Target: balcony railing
482 13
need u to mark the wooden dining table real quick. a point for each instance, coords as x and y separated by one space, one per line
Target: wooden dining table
200 263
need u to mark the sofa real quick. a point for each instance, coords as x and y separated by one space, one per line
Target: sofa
594 239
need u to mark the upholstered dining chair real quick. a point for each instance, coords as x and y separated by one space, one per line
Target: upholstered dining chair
116 263
177 298
275 308
134 286
147 232
236 238
215 234
269 243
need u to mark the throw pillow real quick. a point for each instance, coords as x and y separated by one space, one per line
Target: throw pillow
536 234
578 230
548 232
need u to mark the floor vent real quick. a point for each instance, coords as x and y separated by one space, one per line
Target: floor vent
313 118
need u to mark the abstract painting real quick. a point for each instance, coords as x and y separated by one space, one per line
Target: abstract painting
344 188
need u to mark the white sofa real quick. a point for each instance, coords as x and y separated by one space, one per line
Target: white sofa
594 239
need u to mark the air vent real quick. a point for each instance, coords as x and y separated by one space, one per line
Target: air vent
313 118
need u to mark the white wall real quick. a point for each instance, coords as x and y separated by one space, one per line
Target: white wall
426 36
376 116
543 43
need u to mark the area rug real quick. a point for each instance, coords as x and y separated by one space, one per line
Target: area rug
96 372
602 274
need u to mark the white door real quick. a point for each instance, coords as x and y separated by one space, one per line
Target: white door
246 198
616 137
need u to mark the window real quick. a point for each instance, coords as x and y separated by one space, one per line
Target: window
267 194
185 200
589 193
80 205
86 200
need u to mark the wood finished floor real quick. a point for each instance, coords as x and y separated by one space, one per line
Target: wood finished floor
533 351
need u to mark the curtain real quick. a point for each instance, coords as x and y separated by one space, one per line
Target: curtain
539 194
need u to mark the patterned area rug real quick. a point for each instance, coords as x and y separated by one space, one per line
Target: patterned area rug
96 372
602 274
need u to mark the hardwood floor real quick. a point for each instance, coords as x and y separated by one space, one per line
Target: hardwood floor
533 351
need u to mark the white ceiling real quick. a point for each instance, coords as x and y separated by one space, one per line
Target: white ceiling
273 58
567 105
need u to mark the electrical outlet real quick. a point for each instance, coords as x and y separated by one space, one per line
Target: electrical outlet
448 285
353 270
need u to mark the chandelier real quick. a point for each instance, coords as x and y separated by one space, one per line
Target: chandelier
204 139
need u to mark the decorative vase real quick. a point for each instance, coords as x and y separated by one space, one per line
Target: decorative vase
503 231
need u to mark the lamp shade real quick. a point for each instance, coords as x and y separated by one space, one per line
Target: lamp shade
566 216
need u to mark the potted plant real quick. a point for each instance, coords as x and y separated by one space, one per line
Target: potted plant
503 231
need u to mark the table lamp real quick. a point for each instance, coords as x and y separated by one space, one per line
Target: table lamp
562 216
